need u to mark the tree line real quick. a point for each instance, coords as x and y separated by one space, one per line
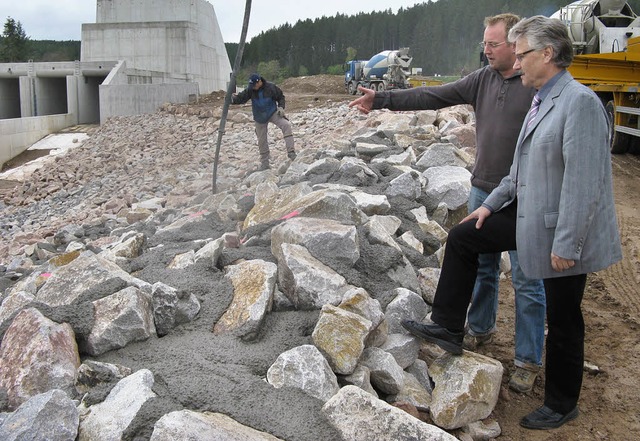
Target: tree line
443 37
17 47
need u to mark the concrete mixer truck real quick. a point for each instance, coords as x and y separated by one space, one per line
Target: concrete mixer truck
384 71
606 41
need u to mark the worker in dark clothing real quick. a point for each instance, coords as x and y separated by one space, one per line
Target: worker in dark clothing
267 104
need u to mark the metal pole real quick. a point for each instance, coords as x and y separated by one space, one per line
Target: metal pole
230 90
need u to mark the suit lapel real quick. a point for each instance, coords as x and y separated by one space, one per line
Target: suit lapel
548 103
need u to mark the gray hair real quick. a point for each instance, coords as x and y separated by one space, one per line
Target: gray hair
541 32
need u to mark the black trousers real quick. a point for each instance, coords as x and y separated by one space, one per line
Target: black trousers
565 339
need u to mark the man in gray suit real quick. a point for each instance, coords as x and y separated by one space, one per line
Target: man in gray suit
555 206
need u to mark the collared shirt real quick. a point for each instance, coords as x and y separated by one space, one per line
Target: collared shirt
546 87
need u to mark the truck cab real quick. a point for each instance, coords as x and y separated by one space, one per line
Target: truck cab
353 75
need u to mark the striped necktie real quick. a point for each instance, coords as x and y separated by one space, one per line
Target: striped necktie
533 111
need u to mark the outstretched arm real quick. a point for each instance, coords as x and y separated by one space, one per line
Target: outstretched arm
365 102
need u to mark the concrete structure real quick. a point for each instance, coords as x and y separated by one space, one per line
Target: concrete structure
138 55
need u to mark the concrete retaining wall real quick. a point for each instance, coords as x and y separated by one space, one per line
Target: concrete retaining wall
18 134
136 99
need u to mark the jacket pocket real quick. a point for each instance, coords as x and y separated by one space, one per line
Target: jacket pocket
551 219
545 138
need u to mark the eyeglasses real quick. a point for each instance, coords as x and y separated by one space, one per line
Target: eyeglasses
521 56
491 44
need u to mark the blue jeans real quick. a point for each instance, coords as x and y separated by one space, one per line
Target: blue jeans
530 301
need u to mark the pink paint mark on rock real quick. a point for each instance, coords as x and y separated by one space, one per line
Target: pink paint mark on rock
290 215
199 213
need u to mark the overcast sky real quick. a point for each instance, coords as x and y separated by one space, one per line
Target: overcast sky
62 19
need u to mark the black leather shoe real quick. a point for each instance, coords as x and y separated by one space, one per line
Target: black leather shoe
545 418
447 340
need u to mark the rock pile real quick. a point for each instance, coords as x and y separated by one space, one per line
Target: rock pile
138 305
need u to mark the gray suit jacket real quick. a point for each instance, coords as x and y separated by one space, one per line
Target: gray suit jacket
561 174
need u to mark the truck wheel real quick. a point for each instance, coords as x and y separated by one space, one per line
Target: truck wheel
352 88
619 141
380 87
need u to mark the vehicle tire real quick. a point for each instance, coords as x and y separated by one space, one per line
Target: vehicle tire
352 88
380 87
634 146
619 141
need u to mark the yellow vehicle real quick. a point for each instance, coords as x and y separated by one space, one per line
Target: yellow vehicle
616 78
606 40
418 81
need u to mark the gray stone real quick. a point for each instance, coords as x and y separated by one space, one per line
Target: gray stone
412 392
439 154
448 184
94 373
304 368
371 204
37 355
69 282
406 305
120 319
253 283
386 374
108 420
360 377
164 300
359 416
404 349
329 241
340 337
406 185
306 281
205 426
466 388
420 371
51 415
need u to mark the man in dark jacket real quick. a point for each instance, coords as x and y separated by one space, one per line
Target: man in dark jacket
267 104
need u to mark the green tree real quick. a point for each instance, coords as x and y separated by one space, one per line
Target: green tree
351 53
336 69
270 70
13 44
442 35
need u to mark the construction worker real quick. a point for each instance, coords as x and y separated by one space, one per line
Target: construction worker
267 104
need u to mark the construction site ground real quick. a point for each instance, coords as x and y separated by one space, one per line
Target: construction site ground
609 404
